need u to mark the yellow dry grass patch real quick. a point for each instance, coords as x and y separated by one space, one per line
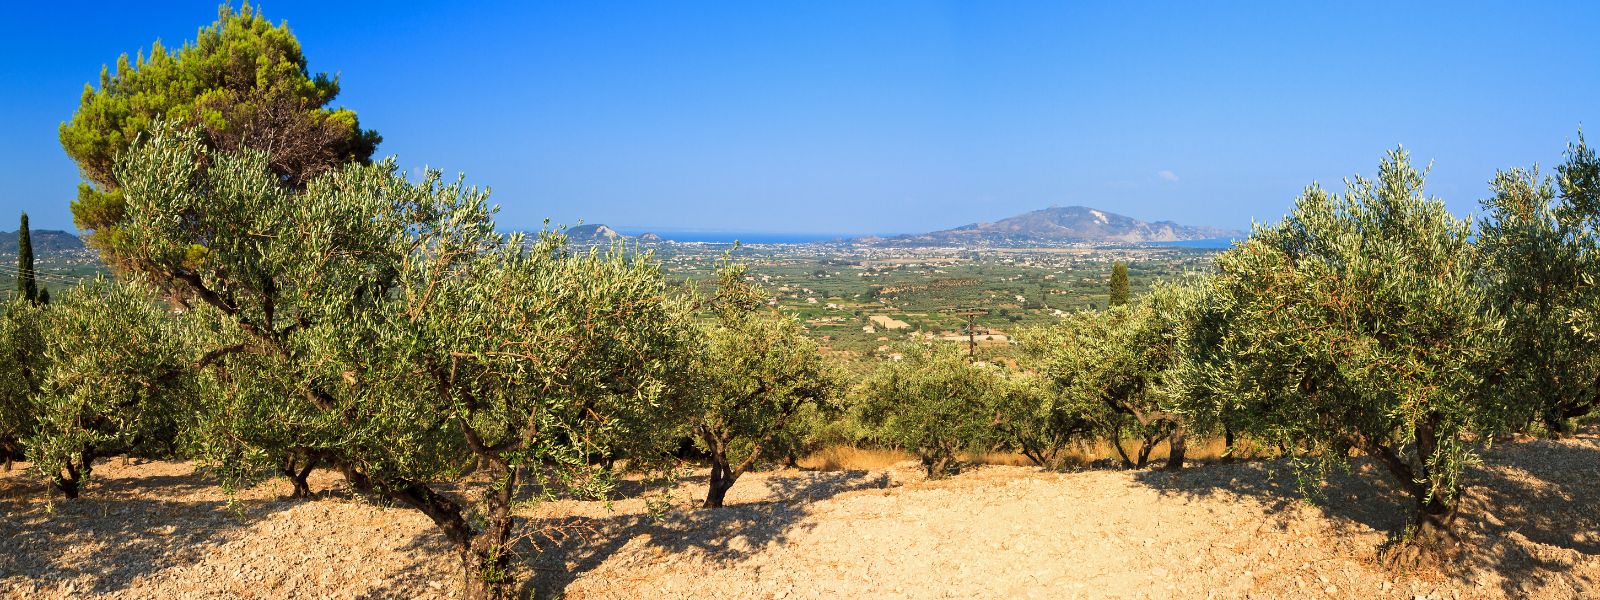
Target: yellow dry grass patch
852 458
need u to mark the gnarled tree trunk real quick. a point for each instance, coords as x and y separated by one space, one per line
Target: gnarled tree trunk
69 480
722 478
1228 447
937 466
723 474
1176 449
1432 535
486 553
298 470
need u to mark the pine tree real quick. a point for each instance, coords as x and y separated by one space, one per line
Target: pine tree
243 82
27 288
1119 284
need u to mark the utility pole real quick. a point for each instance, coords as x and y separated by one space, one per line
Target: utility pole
972 330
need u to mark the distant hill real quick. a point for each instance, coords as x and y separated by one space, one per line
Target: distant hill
592 233
1059 225
45 242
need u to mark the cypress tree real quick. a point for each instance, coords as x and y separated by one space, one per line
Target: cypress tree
1119 284
27 288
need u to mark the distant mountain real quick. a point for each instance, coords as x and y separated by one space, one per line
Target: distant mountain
1059 225
45 241
592 233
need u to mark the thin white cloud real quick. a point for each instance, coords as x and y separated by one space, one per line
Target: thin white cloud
1167 175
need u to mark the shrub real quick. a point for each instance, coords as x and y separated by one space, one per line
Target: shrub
1039 419
1124 359
21 373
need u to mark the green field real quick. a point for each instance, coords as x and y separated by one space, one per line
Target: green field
837 290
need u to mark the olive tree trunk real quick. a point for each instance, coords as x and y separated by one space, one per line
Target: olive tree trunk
1433 537
1228 447
722 478
298 470
69 479
724 474
1176 449
486 554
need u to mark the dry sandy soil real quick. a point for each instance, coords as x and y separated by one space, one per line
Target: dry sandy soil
157 530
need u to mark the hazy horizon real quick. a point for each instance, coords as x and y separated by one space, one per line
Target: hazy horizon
884 117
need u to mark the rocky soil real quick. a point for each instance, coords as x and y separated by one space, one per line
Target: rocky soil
158 530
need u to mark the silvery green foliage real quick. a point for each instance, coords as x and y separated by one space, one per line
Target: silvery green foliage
530 354
1540 250
21 371
269 272
1358 322
383 327
1034 416
118 379
755 373
1117 366
933 403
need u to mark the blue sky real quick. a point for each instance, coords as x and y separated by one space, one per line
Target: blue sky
853 117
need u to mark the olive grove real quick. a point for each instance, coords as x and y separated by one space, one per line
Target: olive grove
284 304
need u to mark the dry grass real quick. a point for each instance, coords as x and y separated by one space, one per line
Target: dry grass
852 458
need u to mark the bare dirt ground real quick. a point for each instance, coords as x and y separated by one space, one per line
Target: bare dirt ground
157 530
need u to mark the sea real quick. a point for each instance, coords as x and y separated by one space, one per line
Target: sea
1217 243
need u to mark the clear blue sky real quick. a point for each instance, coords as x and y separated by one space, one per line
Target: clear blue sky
875 116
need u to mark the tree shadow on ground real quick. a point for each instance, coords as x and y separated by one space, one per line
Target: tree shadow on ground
565 548
1542 491
121 529
415 576
1362 495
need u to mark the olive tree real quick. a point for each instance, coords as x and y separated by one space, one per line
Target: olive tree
529 359
21 371
1540 249
755 374
1039 419
1124 359
118 377
383 327
933 403
1358 322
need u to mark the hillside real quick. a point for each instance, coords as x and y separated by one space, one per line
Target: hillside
45 242
592 233
1059 225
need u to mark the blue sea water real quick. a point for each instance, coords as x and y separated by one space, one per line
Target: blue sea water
1220 243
